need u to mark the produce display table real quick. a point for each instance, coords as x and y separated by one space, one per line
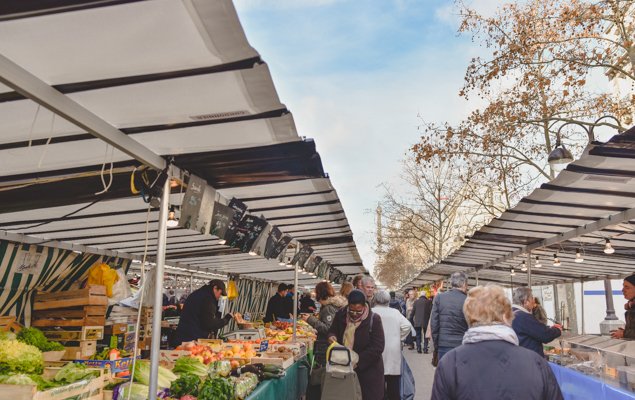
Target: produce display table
577 386
291 387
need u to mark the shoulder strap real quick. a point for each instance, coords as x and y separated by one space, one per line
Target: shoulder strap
372 317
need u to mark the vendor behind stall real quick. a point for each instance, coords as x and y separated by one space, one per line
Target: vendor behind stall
278 306
628 290
200 316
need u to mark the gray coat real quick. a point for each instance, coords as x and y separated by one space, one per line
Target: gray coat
322 325
447 321
421 312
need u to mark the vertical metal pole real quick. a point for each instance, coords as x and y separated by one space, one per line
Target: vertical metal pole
477 277
608 294
191 283
529 269
582 304
295 305
556 302
158 292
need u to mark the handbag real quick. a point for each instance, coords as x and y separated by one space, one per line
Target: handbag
435 358
407 381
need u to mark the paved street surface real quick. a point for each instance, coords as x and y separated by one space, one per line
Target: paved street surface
423 372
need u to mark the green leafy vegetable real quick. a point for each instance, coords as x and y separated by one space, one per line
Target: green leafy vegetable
35 337
136 391
72 372
190 365
18 379
185 384
216 389
20 357
7 335
142 374
219 368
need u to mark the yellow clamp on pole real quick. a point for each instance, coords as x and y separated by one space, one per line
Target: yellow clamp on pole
133 188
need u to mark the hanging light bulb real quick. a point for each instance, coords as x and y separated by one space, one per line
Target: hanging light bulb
512 273
289 265
608 249
303 271
538 264
524 267
222 241
556 260
253 253
172 220
578 256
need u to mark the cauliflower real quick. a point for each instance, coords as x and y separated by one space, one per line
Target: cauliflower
20 357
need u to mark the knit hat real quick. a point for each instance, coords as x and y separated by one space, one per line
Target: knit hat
356 297
630 279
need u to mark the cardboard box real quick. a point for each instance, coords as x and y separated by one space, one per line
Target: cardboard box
119 329
115 366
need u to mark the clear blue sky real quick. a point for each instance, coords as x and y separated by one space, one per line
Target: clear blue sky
355 74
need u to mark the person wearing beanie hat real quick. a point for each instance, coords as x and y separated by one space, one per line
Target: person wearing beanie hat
361 330
628 290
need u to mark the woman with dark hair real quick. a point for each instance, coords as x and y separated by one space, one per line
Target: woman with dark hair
361 330
330 304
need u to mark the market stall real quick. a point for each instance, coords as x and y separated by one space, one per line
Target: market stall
177 125
579 227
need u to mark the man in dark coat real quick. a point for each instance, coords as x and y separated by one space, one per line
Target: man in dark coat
278 306
447 320
394 302
368 343
419 318
200 316
531 332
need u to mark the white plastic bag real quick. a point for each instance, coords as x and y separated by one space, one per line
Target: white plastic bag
121 289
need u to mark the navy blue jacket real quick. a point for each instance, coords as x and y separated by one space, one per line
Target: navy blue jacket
494 369
531 332
447 321
199 317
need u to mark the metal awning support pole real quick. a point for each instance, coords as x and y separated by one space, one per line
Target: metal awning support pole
191 283
529 269
158 293
29 85
582 304
295 305
477 277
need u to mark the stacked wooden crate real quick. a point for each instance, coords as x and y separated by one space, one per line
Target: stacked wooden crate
75 317
9 324
145 328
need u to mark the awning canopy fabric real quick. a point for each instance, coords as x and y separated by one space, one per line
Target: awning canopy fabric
591 201
180 79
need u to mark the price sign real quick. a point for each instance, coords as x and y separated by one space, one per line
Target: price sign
264 345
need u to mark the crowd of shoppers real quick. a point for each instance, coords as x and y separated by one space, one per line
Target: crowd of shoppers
489 363
482 342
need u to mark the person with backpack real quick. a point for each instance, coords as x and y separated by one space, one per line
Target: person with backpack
361 330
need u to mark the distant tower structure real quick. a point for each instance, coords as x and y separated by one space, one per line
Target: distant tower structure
380 237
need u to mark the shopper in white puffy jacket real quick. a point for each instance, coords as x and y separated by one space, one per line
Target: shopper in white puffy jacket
396 328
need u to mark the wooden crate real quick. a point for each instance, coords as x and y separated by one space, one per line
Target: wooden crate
93 295
76 316
9 324
90 389
82 333
272 358
81 351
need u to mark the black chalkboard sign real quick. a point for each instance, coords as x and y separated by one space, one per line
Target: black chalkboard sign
221 219
247 232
